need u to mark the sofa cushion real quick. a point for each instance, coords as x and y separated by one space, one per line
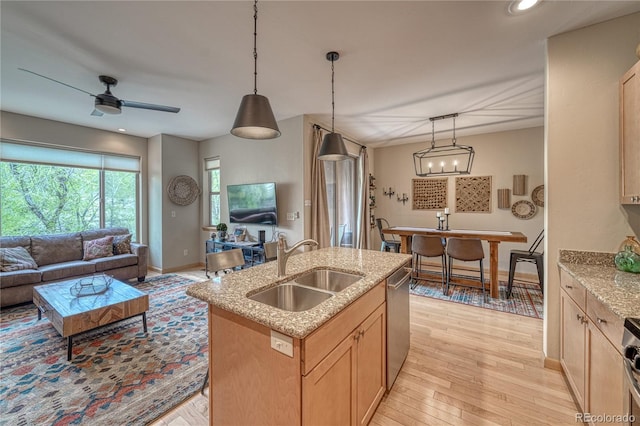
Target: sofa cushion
122 244
94 234
94 249
66 269
16 259
18 278
49 249
16 242
113 262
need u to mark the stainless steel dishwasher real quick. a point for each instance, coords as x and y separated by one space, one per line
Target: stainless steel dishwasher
397 322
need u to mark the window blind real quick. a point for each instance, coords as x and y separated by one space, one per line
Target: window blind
211 163
28 153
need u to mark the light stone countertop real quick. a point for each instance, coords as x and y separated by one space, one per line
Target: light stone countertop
596 271
229 292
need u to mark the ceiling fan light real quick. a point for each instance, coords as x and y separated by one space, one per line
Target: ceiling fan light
107 106
332 148
255 119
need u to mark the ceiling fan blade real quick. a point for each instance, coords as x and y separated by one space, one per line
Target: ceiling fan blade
56 81
153 107
97 113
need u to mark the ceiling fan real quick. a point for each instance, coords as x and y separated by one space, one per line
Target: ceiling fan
107 103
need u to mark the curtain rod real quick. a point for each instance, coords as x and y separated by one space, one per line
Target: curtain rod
350 140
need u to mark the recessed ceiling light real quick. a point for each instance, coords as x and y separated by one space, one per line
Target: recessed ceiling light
520 6
122 130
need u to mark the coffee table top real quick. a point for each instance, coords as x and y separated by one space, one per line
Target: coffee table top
59 297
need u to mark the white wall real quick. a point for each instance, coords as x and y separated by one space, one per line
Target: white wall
172 228
499 155
279 160
582 164
26 128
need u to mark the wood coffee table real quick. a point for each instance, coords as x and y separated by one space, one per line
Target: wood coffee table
72 315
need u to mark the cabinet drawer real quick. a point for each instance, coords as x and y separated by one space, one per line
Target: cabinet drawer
322 341
608 322
573 288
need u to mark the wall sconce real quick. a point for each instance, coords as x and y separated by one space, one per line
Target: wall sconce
504 198
404 198
388 193
446 159
519 184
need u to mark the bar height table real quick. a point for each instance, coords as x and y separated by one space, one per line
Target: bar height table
493 237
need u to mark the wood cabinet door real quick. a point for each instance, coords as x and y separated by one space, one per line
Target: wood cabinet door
572 345
328 391
371 365
630 136
605 376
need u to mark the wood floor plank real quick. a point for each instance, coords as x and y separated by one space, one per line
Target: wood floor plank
466 366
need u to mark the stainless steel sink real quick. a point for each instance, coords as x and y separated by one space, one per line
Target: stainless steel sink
327 279
291 297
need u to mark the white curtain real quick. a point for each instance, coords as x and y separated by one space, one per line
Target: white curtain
320 224
362 217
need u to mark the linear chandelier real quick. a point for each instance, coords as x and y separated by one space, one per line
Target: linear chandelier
446 159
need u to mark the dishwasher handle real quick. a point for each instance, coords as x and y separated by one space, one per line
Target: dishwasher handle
394 285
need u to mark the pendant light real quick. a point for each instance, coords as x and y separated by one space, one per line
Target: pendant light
255 118
332 148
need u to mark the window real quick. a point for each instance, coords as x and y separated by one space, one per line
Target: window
341 181
45 190
212 166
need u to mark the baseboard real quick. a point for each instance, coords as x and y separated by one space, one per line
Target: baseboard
552 364
176 269
502 275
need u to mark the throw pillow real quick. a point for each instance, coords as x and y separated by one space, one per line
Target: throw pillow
94 249
122 244
16 259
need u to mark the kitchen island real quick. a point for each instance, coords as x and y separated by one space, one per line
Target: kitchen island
322 365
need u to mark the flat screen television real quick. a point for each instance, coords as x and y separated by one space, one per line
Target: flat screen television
253 203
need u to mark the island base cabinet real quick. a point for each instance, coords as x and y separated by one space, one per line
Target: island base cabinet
346 387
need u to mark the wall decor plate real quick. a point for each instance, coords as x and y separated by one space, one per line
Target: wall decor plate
183 190
523 209
537 196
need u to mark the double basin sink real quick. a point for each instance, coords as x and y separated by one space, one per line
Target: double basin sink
306 291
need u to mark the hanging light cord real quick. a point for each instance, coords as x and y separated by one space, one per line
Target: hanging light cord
333 104
453 141
255 49
433 134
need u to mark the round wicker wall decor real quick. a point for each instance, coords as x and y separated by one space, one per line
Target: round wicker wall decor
183 190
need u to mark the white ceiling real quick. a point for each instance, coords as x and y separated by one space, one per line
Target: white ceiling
400 62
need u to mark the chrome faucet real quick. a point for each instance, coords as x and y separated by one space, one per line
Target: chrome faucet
283 253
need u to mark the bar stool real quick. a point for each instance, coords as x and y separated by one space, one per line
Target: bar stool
427 246
387 244
531 256
467 250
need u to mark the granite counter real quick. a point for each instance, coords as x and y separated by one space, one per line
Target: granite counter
229 292
596 271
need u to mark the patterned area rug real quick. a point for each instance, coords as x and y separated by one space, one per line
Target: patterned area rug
526 298
117 376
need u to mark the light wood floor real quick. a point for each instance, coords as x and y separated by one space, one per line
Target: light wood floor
466 366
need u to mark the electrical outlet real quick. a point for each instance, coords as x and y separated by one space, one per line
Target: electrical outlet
291 216
173 213
186 252
282 343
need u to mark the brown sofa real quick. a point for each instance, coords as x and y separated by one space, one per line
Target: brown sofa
59 257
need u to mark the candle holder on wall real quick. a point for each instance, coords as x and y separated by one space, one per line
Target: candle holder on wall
404 198
388 193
